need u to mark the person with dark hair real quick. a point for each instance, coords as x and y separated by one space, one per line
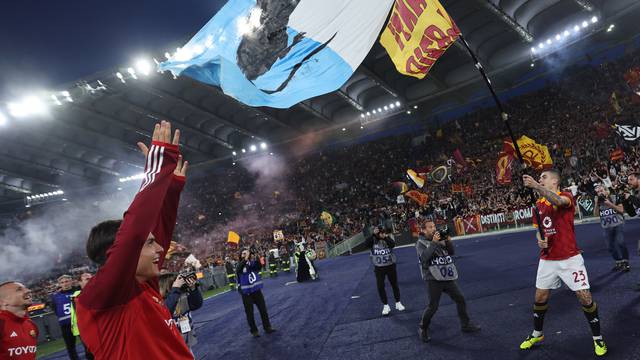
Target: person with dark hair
611 212
384 265
560 258
120 312
61 303
18 334
250 288
181 295
437 267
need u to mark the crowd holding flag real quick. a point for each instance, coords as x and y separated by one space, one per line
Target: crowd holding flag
279 55
399 187
417 34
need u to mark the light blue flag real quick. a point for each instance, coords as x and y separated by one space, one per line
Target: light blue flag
278 53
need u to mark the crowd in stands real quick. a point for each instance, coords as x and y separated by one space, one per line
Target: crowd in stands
573 116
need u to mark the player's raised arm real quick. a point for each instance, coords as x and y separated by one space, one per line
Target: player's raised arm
116 246
548 192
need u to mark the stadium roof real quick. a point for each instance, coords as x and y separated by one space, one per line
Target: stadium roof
90 138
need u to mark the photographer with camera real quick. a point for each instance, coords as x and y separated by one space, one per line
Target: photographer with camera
181 296
384 265
611 212
248 274
435 251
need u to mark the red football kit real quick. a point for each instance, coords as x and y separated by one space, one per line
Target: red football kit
557 225
18 337
118 317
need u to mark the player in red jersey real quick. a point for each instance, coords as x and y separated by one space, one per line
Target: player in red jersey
18 334
121 314
560 258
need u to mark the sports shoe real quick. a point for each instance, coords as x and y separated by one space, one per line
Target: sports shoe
399 306
530 341
424 335
386 310
600 347
255 334
625 267
617 267
470 328
270 330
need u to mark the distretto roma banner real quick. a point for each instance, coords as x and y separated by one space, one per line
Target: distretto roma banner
418 33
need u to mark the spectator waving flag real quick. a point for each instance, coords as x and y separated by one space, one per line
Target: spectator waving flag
535 155
417 34
279 52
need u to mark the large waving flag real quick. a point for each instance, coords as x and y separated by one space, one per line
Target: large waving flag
535 155
280 52
417 34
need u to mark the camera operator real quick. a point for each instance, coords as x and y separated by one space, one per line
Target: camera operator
611 212
251 290
384 265
181 296
435 251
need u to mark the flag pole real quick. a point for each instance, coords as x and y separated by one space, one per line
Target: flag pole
505 119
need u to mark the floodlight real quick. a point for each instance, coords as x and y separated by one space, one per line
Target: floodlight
594 19
263 146
253 148
143 66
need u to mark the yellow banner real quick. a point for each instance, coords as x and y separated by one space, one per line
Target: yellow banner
535 155
233 238
418 33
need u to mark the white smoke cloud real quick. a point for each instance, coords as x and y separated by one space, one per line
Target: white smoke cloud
33 247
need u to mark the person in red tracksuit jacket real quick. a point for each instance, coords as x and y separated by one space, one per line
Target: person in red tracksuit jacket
18 334
121 314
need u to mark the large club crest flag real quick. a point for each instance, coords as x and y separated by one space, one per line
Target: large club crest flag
278 53
417 34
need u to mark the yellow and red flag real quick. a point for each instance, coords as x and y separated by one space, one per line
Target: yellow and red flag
417 179
535 155
417 196
418 33
503 168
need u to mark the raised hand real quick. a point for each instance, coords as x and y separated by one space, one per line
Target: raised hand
161 133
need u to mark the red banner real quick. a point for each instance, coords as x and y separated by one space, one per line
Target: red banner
418 196
617 155
503 168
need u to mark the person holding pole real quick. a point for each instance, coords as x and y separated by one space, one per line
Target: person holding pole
560 258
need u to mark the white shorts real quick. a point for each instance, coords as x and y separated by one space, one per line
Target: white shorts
571 271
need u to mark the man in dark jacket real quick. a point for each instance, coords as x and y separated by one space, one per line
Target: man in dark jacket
631 204
440 273
250 287
384 265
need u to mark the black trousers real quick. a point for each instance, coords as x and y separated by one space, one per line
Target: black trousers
258 299
390 272
436 288
69 341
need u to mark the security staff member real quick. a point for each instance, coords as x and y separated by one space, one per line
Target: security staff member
61 302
